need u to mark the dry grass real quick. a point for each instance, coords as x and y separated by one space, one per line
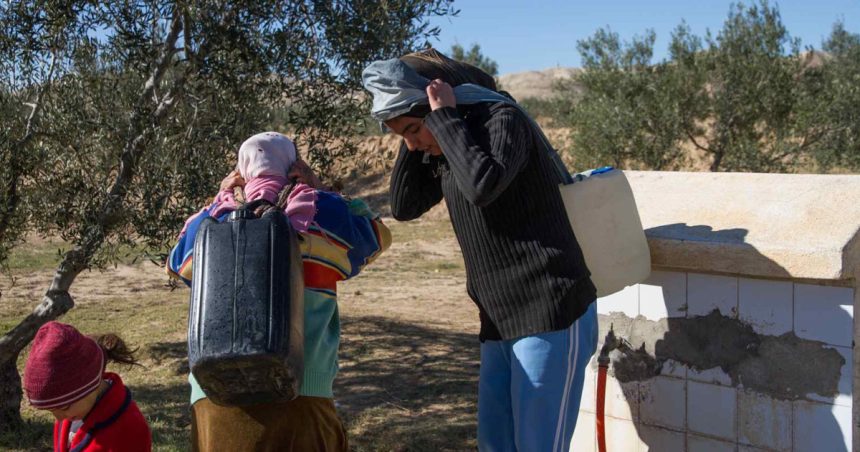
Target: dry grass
409 355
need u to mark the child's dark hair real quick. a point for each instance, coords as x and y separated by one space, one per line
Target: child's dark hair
115 349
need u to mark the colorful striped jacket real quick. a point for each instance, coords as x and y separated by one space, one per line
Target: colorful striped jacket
344 237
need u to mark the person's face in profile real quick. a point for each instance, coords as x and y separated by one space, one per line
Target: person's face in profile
416 135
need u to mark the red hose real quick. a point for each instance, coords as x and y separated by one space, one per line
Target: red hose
601 398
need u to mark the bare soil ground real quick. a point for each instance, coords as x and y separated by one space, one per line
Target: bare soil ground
409 353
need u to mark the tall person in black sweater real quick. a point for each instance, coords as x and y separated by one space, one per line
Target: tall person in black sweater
525 270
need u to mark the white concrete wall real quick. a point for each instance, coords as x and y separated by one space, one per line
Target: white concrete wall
686 410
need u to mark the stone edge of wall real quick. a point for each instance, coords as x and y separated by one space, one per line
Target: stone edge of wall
746 260
669 202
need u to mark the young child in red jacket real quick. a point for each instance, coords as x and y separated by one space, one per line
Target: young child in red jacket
65 374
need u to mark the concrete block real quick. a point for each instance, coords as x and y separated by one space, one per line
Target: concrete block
824 313
763 421
819 427
711 410
625 302
656 439
663 402
708 292
766 305
663 295
764 226
702 444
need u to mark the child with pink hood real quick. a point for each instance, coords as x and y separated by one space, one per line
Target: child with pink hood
339 237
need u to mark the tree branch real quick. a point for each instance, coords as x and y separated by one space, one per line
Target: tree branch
696 143
57 300
18 154
37 105
812 139
805 142
53 305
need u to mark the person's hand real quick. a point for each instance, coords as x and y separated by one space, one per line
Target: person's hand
234 179
301 172
440 95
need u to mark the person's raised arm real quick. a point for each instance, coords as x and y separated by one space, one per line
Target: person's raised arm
482 171
414 188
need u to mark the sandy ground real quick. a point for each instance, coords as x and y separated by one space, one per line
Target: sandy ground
408 359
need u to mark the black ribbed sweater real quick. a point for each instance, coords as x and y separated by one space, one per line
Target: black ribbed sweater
524 268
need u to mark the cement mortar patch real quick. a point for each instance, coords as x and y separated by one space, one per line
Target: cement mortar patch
783 367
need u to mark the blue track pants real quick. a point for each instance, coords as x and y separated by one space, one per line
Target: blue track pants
530 388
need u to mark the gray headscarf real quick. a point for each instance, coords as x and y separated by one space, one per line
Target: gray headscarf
396 89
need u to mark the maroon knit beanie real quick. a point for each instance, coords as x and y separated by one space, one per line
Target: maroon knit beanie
63 367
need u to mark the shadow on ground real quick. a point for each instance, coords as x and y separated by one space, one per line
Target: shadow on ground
401 387
171 355
405 387
166 409
33 435
164 406
165 403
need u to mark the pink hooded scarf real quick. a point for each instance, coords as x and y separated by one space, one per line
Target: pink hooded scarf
264 161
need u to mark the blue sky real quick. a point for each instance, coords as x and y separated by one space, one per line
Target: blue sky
522 35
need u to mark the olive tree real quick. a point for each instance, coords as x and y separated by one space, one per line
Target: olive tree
119 118
476 58
746 98
626 116
831 98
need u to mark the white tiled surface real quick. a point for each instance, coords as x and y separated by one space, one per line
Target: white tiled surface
701 444
713 376
763 421
824 313
663 402
589 388
626 302
742 448
711 410
707 406
622 400
766 305
663 295
584 435
845 380
673 368
655 439
621 435
821 427
708 292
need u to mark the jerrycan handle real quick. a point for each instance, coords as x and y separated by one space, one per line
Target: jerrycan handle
243 211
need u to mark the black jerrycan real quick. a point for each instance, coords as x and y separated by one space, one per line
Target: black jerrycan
246 321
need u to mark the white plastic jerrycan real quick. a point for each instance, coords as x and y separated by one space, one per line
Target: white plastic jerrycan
603 214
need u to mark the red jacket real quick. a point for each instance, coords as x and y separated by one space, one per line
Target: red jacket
113 425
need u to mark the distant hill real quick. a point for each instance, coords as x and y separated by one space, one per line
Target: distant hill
536 84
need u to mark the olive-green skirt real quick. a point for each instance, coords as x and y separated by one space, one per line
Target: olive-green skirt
304 424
